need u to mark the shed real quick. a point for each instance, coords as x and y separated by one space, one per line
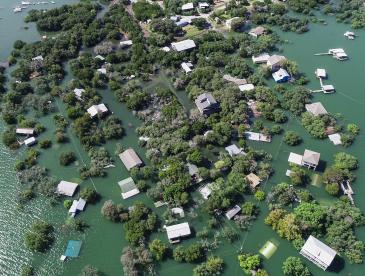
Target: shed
77 205
206 190
177 231
78 93
178 211
25 131
38 58
328 88
101 71
130 159
128 188
321 73
263 58
316 108
206 104
311 159
183 45
335 138
253 180
194 172
97 109
187 7
66 188
318 252
125 43
232 212
281 76
30 141
186 66
73 249
258 31
246 87
234 150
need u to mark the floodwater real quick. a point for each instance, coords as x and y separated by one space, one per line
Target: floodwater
103 241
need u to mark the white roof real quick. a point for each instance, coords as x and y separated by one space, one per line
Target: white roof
234 150
78 92
166 49
203 5
280 74
316 108
328 87
187 6
126 43
187 66
128 187
38 58
335 139
101 70
232 212
178 211
66 188
319 251
206 190
30 141
183 45
25 131
178 230
295 158
130 159
321 73
263 58
311 157
255 136
246 87
97 109
73 207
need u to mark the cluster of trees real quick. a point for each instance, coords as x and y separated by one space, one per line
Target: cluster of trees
143 10
192 253
40 237
250 262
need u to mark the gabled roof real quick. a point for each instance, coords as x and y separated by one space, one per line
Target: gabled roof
66 188
316 108
232 212
275 60
130 159
280 75
311 157
318 252
335 138
205 101
128 187
253 179
178 230
97 109
183 45
187 6
234 150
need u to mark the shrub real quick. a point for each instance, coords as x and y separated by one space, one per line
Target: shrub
66 158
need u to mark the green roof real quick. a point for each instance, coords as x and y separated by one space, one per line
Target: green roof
127 185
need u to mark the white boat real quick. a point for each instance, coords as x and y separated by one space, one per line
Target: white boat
350 35
25 3
17 9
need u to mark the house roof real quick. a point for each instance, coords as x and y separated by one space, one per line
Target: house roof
321 73
128 187
263 58
178 230
335 138
96 109
235 80
77 205
186 66
25 131
234 150
206 190
253 179
311 157
295 158
246 87
66 188
130 159
187 6
203 5
193 169
257 31
126 43
280 75
316 108
232 212
275 60
183 45
328 87
30 141
205 101
38 58
78 92
318 250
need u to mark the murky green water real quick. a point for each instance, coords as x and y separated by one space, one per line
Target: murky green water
103 242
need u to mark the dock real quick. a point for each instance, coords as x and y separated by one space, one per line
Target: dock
348 191
325 88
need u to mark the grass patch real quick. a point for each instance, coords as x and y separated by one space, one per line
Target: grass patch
192 31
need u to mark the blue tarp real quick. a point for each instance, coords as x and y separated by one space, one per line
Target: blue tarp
73 249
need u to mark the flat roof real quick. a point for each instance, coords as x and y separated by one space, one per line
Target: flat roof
316 108
311 157
183 45
178 230
335 138
246 87
66 188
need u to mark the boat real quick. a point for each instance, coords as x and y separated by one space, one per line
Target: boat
17 9
350 35
25 3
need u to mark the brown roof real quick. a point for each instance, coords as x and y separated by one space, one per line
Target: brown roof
253 179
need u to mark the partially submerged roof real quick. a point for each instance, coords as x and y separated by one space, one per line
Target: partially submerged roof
255 136
130 159
126 43
257 31
187 6
30 141
316 108
186 66
77 205
183 45
205 101
25 131
275 60
335 138
232 212
295 158
253 179
281 75
246 87
128 187
321 73
73 249
318 252
78 92
193 169
235 80
263 58
178 230
206 190
97 109
234 150
311 157
66 188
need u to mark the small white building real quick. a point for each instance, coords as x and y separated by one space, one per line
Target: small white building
318 253
30 141
77 205
234 150
128 188
206 190
25 131
78 93
125 43
321 73
97 109
177 231
258 31
256 136
281 76
328 88
166 49
130 159
309 159
187 6
231 213
38 58
183 45
263 58
66 188
335 138
246 87
316 109
186 66
101 71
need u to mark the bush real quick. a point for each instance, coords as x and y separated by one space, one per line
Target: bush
45 144
294 266
291 138
353 129
40 237
333 188
67 203
89 195
27 271
67 158
260 195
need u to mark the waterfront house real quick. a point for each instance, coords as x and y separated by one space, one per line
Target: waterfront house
263 58
234 80
25 131
311 159
130 159
274 62
328 88
187 7
66 188
316 109
231 213
206 190
97 109
194 172
183 45
78 93
77 206
186 66
338 53
128 188
177 231
30 141
321 73
318 252
246 87
281 76
206 104
234 150
258 31
253 180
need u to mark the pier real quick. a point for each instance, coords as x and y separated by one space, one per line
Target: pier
325 88
348 191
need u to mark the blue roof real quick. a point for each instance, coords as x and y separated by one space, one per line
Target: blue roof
73 249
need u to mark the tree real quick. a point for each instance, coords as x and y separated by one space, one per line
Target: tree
353 129
311 216
90 270
40 237
66 158
27 271
45 144
111 211
293 266
195 157
260 195
89 195
291 138
213 266
345 161
249 262
298 176
158 249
